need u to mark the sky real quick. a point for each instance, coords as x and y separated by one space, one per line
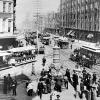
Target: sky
27 8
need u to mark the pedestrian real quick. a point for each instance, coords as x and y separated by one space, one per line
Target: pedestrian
43 61
68 74
40 89
94 78
75 81
48 84
9 82
71 46
66 81
81 88
14 86
93 93
58 84
43 72
5 85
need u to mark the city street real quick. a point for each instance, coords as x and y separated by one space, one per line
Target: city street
64 59
48 46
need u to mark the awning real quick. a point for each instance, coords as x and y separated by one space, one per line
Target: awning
90 36
72 33
69 32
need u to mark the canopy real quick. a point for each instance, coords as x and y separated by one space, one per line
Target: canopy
20 49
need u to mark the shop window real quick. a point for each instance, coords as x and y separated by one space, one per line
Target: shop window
4 6
9 7
3 25
9 26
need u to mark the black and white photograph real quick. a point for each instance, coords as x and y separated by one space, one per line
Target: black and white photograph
49 49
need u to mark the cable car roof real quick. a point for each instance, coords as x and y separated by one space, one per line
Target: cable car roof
20 49
4 53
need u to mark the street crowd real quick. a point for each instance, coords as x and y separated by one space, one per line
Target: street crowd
9 85
89 87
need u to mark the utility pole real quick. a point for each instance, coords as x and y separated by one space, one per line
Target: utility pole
14 15
37 5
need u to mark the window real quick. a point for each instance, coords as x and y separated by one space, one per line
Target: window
3 25
9 26
86 7
9 7
4 6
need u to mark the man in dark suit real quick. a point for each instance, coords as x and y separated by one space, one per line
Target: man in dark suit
75 81
9 80
14 86
40 89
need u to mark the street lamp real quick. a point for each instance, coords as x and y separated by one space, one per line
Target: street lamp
37 41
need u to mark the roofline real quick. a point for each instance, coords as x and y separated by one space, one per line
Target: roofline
4 36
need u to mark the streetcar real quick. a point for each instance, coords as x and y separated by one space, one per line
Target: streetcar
22 55
63 43
45 40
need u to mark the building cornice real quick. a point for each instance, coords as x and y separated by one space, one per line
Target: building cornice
7 1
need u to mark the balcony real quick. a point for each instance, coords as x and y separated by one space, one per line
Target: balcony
5 15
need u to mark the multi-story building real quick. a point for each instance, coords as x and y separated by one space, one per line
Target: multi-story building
7 24
51 22
7 16
81 15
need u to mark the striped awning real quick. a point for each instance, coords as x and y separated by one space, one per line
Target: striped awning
69 32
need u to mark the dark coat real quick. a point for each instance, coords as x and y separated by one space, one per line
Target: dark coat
75 79
14 84
5 85
40 88
44 60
